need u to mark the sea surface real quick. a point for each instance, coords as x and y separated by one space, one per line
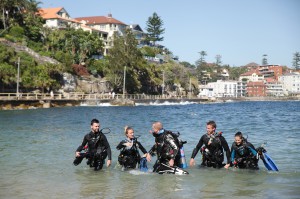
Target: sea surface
37 150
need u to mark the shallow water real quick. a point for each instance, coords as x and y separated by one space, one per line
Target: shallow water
37 150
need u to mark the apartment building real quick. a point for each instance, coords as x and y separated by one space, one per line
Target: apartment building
271 71
291 83
220 88
256 89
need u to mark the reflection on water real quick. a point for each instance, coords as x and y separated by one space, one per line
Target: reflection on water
37 150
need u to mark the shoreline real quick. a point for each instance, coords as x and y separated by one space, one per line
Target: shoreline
35 104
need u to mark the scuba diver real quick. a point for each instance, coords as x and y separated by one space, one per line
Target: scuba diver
243 153
166 148
129 156
212 152
98 148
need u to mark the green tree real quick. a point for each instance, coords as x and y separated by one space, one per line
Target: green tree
235 72
11 12
7 74
187 65
98 67
40 77
21 13
155 28
218 60
125 53
202 67
201 61
149 51
296 60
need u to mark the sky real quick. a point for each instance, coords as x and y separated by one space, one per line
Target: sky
241 31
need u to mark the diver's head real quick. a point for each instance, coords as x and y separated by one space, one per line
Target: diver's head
95 125
238 138
129 132
211 127
156 127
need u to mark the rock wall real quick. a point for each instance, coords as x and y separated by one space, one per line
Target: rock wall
72 83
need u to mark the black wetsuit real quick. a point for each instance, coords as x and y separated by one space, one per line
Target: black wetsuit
244 155
129 156
166 149
98 149
212 155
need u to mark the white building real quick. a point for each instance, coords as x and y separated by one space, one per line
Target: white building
241 88
58 18
274 89
206 91
291 83
106 24
220 88
252 76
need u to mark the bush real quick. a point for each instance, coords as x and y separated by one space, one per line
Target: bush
80 70
17 32
10 38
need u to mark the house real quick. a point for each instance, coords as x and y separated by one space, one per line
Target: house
139 34
206 90
58 18
106 24
224 74
256 89
252 75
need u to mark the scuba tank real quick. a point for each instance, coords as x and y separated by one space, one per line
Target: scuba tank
183 163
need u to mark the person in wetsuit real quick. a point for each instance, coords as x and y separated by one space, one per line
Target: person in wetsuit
243 153
98 147
129 156
214 145
165 148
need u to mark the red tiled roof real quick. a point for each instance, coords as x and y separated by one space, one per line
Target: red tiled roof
50 13
100 20
249 73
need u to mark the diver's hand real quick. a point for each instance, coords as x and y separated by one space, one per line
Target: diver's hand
108 163
77 154
171 162
192 162
227 166
148 157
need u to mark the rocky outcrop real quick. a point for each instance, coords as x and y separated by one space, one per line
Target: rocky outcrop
72 83
69 82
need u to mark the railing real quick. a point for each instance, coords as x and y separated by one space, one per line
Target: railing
83 96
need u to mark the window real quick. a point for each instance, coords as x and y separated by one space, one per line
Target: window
102 27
